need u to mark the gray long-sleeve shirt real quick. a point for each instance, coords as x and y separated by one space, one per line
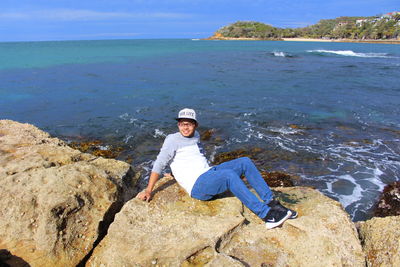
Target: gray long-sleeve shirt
186 158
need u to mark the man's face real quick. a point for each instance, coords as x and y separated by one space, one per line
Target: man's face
187 127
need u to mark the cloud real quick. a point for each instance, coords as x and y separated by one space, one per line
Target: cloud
110 34
86 15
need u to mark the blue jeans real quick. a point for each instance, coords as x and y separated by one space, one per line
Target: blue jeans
226 176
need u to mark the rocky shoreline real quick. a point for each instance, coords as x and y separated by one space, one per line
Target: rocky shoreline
63 207
372 41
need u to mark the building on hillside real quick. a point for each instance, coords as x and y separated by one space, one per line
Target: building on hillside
392 14
360 22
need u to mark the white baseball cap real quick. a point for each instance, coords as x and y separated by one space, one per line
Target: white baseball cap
187 113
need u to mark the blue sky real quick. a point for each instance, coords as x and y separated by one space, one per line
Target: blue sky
38 20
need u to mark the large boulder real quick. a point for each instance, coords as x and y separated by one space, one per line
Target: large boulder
176 230
172 230
322 235
381 241
55 201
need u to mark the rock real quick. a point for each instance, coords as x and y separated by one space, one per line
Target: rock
389 201
207 134
171 230
277 179
380 238
55 201
97 148
227 156
176 230
322 235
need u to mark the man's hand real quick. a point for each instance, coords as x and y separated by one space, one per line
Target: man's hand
144 195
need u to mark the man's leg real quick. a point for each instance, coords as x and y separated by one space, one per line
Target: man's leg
245 166
218 180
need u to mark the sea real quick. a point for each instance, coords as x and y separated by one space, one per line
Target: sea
326 113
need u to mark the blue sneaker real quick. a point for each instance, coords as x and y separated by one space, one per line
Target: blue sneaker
277 205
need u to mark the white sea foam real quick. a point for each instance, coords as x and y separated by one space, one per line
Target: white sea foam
285 147
126 139
127 117
350 53
158 133
362 166
124 116
283 130
279 54
214 152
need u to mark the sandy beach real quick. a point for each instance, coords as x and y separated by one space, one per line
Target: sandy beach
306 40
392 41
341 40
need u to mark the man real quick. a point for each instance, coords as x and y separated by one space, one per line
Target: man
191 170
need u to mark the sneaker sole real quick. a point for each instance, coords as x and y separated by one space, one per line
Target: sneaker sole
271 225
294 215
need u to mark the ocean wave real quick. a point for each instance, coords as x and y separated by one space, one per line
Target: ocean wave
357 192
127 117
281 54
284 130
126 138
350 53
159 133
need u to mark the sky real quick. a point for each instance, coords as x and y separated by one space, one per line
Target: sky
43 20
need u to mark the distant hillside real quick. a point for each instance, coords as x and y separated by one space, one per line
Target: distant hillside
377 27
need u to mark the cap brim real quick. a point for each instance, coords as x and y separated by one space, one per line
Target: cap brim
177 119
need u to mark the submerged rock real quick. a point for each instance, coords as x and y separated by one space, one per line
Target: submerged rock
97 148
389 201
207 134
227 156
55 201
278 179
380 238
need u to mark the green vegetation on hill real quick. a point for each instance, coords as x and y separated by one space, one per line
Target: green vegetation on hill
249 29
378 27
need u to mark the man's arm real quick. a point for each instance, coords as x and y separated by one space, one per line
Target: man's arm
145 195
167 152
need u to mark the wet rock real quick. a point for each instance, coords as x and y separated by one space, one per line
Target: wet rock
389 201
207 134
278 179
380 238
300 127
227 156
97 148
55 201
343 187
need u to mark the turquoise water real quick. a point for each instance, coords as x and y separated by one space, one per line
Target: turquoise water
343 97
